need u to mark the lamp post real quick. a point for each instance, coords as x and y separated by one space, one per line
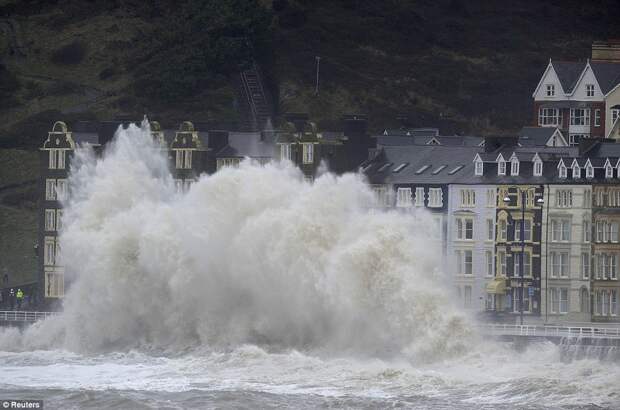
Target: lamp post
539 201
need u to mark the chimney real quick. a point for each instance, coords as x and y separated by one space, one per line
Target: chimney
218 139
606 51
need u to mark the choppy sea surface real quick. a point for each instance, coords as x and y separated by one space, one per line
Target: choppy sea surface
495 377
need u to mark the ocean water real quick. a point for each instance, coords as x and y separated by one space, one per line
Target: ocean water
494 377
256 289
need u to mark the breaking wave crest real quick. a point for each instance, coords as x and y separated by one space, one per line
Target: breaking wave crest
250 255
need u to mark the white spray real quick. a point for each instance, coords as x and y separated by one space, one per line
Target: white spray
248 255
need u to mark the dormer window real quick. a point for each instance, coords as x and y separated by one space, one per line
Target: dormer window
562 170
501 165
538 168
576 170
478 166
514 166
589 170
550 90
609 171
589 90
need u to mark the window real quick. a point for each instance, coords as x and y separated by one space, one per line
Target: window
580 116
56 159
573 139
501 263
403 197
589 90
467 294
527 264
491 197
489 262
468 198
613 308
587 233
562 171
490 230
52 159
54 284
479 168
501 167
49 251
589 170
527 228
435 198
560 230
600 197
609 171
559 264
401 167
381 196
613 232
61 189
50 220
422 169
514 166
549 116
419 196
585 301
538 168
464 262
183 159
599 295
597 117
600 231
59 220
50 189
576 171
516 299
308 153
464 228
613 197
585 265
550 90
564 198
559 300
503 230
285 152
615 113
587 198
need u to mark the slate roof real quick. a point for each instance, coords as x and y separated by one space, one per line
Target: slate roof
535 136
568 73
607 75
428 164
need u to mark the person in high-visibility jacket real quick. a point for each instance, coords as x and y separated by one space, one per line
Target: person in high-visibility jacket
20 297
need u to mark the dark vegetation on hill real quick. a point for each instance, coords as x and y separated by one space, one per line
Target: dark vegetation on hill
462 65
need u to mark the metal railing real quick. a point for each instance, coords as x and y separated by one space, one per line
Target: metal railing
23 315
498 329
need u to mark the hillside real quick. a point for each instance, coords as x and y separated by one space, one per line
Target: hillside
468 66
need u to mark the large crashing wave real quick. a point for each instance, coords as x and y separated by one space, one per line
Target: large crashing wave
249 255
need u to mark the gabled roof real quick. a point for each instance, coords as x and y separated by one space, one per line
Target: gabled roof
568 73
540 136
607 74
